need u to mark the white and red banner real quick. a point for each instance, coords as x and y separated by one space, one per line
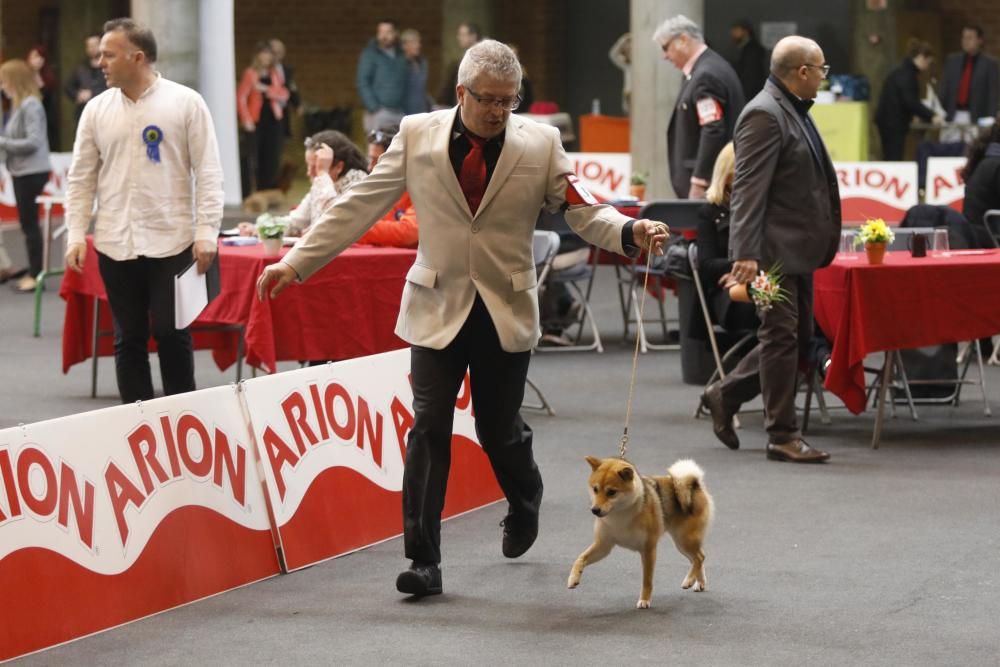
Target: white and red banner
112 515
945 186
332 442
876 190
56 187
606 175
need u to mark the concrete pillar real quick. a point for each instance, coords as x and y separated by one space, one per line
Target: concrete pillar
196 48
655 83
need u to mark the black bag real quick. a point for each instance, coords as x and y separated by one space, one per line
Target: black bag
675 258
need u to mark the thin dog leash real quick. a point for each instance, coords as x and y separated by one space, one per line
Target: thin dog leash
623 444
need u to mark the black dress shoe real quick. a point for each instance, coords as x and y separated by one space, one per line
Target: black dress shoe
420 580
519 533
796 451
722 419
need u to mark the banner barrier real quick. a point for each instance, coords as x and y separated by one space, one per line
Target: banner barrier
876 190
606 175
332 442
56 187
945 186
113 515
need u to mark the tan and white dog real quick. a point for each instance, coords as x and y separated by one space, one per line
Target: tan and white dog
634 511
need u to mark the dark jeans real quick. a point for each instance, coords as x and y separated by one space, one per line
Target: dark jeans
893 143
139 291
497 379
771 368
26 188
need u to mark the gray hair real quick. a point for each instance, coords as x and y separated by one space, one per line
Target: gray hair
492 58
409 34
676 25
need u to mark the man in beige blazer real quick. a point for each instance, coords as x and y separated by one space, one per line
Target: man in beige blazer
478 178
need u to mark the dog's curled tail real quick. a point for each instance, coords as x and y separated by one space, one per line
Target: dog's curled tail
687 477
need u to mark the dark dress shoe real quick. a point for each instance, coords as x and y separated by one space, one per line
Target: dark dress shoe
519 533
420 580
722 419
11 274
796 451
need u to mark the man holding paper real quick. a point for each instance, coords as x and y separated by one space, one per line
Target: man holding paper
146 151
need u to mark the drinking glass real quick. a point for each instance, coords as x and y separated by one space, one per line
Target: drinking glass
846 241
939 241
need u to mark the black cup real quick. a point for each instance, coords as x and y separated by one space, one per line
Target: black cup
918 245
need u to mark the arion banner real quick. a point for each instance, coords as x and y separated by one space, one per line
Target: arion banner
876 190
113 515
332 443
606 175
945 186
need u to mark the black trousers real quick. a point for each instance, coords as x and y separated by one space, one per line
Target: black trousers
26 188
893 142
141 291
771 368
497 379
270 137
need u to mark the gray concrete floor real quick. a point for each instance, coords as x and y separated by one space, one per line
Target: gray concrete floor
887 557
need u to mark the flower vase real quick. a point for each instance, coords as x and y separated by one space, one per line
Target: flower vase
638 191
740 293
875 252
272 246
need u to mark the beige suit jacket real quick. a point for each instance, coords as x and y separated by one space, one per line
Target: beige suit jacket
460 253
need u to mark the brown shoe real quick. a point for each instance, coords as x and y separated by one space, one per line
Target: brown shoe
796 451
27 284
722 419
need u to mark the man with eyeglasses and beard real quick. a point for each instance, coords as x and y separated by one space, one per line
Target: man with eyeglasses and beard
785 213
478 177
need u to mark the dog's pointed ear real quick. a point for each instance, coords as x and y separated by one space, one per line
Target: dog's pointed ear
626 473
594 462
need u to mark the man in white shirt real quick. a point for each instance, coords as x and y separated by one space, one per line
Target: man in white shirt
146 151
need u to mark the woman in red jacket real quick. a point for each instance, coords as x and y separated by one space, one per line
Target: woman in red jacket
260 100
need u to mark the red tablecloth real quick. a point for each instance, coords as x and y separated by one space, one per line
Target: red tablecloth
905 303
347 309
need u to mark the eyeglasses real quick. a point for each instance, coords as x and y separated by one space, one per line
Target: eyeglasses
504 103
824 68
312 144
381 137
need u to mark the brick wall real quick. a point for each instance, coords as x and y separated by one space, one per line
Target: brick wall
324 40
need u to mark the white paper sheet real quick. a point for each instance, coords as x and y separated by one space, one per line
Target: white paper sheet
190 296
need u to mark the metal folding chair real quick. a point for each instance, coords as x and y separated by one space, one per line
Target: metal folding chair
544 247
993 230
578 279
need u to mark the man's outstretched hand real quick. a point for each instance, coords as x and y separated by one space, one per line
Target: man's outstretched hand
274 279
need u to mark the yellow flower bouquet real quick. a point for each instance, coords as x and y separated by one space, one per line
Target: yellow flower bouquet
875 235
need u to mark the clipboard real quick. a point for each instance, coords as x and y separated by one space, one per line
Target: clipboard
193 291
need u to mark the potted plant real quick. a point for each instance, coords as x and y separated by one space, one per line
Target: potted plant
637 185
875 236
271 231
763 291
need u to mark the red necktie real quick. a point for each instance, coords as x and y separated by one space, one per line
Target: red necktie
964 84
472 175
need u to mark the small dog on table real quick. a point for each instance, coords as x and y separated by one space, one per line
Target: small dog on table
634 511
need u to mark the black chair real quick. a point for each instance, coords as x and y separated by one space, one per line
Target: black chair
679 215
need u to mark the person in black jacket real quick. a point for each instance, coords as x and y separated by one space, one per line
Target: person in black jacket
751 60
900 100
713 250
982 178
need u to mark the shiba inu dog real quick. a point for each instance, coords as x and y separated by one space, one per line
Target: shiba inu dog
634 511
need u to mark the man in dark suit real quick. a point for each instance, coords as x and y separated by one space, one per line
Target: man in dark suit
709 101
785 211
970 81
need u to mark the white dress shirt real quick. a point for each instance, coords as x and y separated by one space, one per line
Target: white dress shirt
145 208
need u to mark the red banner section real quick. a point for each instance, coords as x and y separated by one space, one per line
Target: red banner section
332 442
945 186
112 515
876 190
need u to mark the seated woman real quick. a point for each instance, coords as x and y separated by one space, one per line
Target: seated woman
713 249
334 164
982 180
398 227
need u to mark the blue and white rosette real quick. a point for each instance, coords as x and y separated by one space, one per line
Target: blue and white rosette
152 136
